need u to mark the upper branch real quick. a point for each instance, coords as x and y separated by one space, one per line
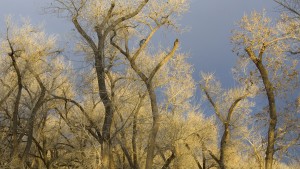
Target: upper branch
165 60
288 7
108 16
147 40
251 54
126 17
212 103
233 105
84 34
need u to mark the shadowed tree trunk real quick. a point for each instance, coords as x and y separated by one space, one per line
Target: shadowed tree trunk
34 111
15 141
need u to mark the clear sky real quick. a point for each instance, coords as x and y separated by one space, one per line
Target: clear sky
211 24
208 43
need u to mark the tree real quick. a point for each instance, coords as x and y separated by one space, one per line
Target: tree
153 22
95 21
264 45
27 60
133 105
148 81
100 18
228 107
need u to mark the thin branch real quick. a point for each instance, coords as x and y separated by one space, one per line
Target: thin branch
83 111
125 53
147 40
126 17
288 7
215 107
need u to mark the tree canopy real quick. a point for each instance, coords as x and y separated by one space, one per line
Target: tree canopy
134 106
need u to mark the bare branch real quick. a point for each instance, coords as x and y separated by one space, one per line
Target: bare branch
82 32
126 17
164 61
145 43
212 103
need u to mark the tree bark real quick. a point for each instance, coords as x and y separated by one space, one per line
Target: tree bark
34 111
133 141
155 127
272 106
272 114
16 104
135 132
103 93
224 147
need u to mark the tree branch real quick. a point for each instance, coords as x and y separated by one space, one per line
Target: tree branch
165 60
126 17
147 40
215 107
82 32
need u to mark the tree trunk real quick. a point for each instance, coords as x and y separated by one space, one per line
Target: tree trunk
16 108
103 93
272 114
31 122
107 162
224 147
99 57
155 127
133 140
272 106
203 160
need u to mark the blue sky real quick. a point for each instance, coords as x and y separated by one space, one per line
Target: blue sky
207 42
209 39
